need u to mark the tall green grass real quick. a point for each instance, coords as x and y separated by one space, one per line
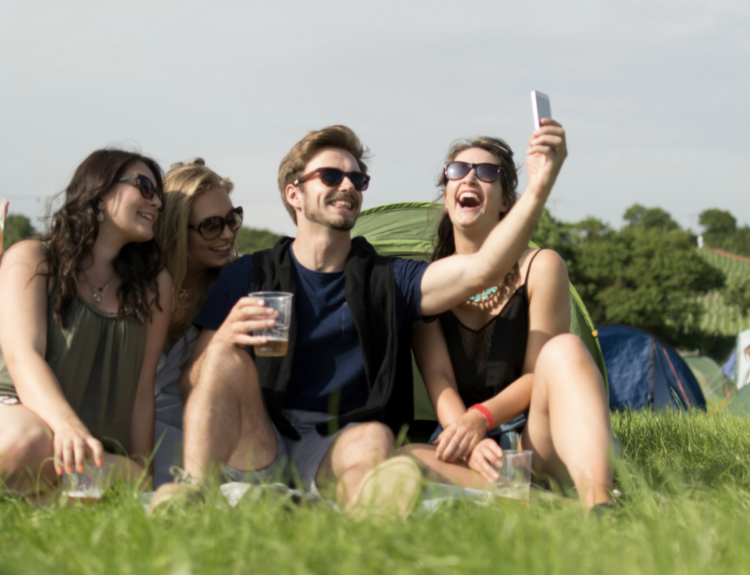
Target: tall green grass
685 509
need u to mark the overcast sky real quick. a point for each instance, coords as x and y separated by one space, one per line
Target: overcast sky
653 95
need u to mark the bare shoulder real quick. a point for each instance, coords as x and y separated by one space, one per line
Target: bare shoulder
28 253
545 264
164 281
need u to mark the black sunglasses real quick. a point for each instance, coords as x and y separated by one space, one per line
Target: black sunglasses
333 177
211 228
485 172
146 186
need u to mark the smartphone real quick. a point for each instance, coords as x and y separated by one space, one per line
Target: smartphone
540 106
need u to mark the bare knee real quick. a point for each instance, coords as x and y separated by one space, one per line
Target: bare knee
562 356
563 349
25 450
369 443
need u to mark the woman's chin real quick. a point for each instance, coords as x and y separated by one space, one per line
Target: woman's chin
143 235
220 259
466 219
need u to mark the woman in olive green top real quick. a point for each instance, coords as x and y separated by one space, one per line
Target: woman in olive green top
83 318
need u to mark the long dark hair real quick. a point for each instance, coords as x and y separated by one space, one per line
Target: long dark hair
74 229
445 243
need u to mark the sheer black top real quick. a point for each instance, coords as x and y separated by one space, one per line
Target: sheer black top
488 360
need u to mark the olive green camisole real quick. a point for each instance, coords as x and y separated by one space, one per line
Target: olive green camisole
97 360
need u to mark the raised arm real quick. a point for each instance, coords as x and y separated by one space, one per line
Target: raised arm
142 429
449 281
23 338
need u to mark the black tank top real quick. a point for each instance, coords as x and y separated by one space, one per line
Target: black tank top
488 360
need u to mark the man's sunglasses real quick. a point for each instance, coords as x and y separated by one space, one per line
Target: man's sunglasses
146 186
211 228
485 172
333 177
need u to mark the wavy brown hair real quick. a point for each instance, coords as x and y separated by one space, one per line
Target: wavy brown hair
74 229
445 243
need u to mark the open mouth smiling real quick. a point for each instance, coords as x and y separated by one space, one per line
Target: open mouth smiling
469 199
148 217
342 203
224 248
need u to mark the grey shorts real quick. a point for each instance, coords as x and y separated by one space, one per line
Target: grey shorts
296 461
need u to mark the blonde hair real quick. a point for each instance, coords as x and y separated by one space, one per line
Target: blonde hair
183 185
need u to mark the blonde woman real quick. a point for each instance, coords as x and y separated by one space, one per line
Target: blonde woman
197 234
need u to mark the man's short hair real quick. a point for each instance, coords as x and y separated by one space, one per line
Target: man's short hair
293 164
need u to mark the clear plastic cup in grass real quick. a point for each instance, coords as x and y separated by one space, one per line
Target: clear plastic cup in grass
515 475
86 487
277 336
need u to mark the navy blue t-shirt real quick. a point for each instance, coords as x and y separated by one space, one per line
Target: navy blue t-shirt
327 356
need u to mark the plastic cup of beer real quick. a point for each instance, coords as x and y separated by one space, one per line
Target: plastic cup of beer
86 487
515 475
3 212
278 336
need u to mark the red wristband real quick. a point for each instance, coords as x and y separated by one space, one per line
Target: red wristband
486 413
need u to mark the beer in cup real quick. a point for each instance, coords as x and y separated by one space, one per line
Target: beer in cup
278 336
86 487
515 475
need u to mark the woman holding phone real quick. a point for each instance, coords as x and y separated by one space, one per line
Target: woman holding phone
198 234
84 311
503 362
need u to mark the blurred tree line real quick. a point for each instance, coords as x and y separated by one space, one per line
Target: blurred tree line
250 240
648 274
721 232
17 227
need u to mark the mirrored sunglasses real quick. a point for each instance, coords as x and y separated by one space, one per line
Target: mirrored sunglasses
485 172
211 228
333 177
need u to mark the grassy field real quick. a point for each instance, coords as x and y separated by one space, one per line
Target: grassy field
717 317
686 509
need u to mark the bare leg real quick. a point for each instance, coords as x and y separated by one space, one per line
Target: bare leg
568 428
454 473
225 417
26 451
355 452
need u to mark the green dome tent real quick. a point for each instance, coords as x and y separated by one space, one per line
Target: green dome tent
407 230
714 384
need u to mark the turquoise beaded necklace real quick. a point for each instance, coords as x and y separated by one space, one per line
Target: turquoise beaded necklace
484 296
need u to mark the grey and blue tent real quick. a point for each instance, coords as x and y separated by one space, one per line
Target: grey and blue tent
645 372
407 230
